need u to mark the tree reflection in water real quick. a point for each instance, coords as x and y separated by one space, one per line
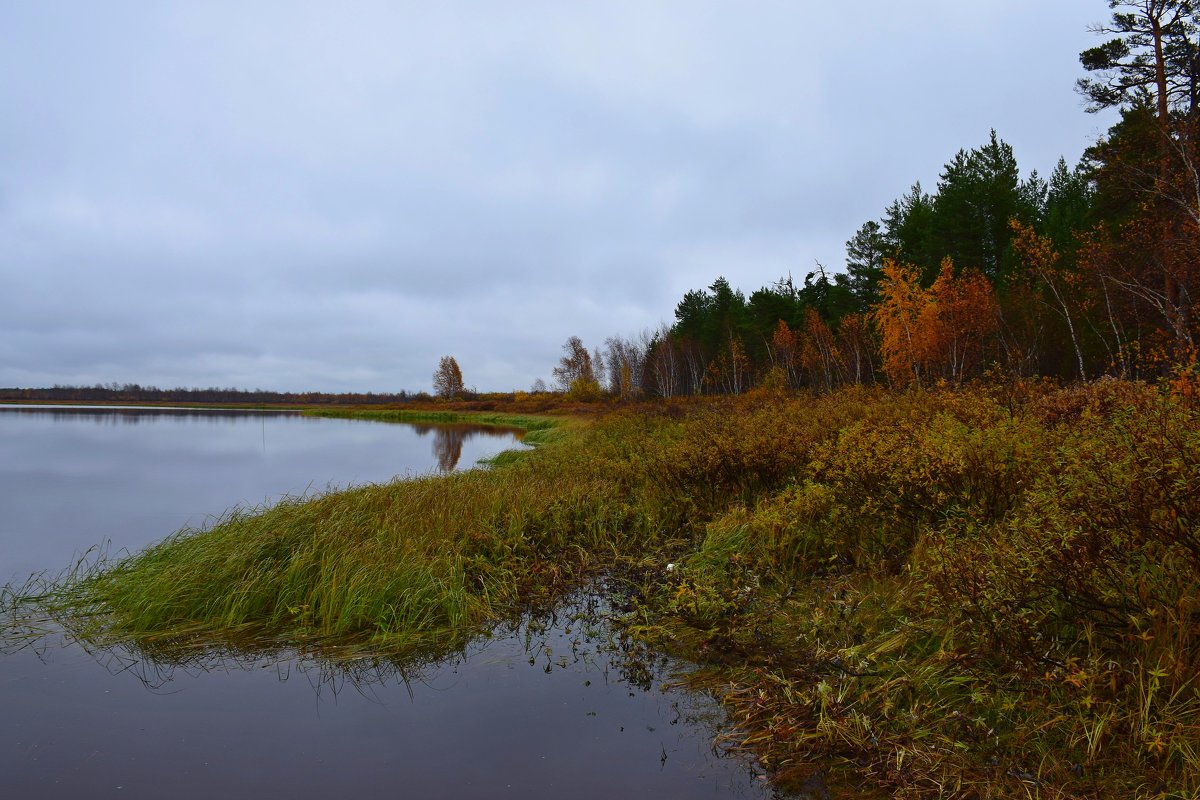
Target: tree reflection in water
448 440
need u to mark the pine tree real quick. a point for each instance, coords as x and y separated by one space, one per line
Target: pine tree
1151 54
864 263
979 192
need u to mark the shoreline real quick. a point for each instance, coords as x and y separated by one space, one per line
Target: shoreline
883 585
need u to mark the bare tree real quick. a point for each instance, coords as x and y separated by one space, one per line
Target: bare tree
624 360
448 379
664 361
598 366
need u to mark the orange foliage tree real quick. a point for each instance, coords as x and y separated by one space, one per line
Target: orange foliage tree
785 350
956 322
729 372
897 316
854 340
942 331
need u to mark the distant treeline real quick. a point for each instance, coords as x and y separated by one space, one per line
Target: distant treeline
134 393
1093 272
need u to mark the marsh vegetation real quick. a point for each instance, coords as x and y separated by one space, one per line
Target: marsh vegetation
985 592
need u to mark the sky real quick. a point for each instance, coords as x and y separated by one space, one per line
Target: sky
331 196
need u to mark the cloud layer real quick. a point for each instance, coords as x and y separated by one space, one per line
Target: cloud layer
331 196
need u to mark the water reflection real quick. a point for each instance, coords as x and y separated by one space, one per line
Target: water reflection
553 703
140 415
574 635
448 440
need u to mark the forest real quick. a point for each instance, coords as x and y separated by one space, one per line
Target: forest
1091 271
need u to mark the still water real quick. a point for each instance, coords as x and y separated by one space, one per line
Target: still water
550 706
73 478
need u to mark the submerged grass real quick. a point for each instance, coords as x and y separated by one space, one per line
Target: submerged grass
983 593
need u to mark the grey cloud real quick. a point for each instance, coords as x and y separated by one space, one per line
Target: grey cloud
309 196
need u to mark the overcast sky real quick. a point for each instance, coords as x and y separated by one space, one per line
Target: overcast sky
330 196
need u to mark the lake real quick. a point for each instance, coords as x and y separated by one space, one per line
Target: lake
550 705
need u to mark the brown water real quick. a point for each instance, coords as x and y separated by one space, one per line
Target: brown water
548 707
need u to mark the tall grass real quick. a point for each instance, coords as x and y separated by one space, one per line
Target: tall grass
964 594
983 593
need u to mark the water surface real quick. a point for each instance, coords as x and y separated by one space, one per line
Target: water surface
551 707
74 477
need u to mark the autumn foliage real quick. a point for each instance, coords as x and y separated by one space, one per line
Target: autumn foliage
939 333
448 379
